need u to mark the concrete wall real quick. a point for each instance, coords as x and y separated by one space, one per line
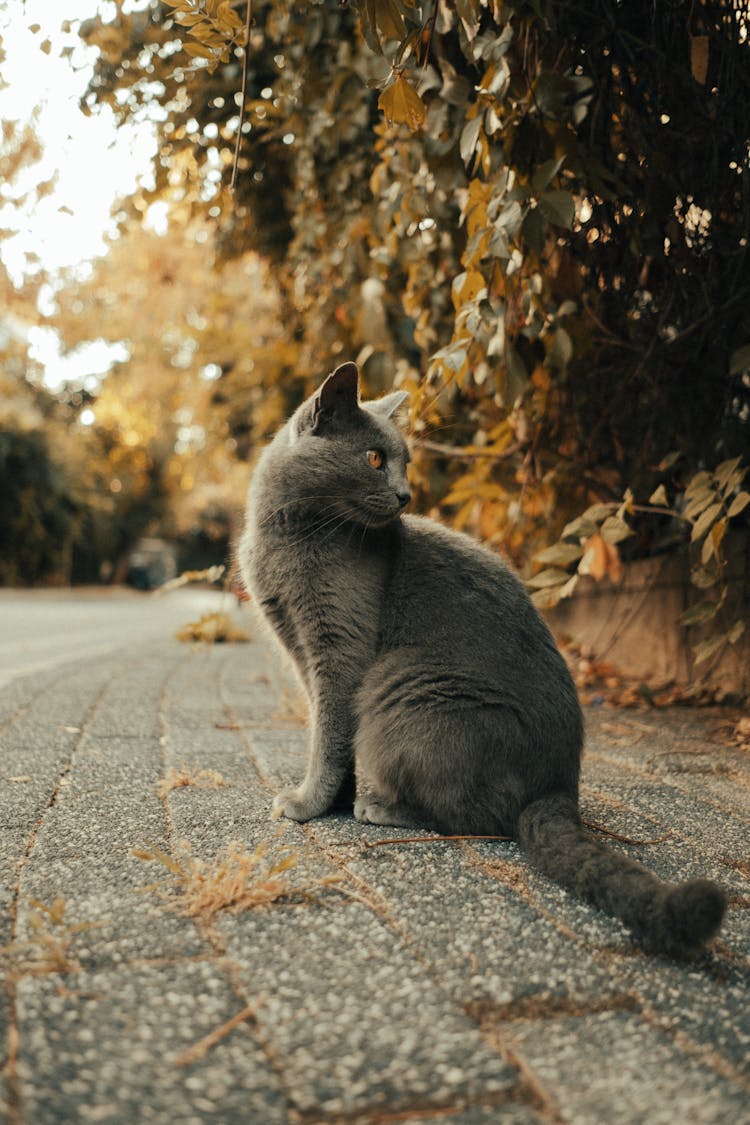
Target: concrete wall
635 625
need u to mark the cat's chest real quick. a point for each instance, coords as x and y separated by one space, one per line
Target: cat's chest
307 589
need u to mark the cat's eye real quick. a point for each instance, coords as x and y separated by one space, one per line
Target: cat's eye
375 458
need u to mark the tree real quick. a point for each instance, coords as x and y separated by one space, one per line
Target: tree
534 215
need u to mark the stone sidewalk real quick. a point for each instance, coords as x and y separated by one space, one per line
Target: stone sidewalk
434 982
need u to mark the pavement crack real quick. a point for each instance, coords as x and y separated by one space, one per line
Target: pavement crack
10 1066
685 1043
29 704
418 1111
210 934
241 728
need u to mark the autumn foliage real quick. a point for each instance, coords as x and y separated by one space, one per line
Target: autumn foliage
533 216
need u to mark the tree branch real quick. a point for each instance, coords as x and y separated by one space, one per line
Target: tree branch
245 54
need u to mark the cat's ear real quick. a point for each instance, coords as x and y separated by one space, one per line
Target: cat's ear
386 406
338 398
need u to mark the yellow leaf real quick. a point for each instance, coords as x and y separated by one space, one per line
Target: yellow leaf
198 51
389 19
402 105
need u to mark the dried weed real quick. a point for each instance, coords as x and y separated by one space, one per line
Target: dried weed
185 775
235 880
47 951
211 629
211 574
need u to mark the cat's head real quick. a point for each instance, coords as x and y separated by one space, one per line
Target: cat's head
350 453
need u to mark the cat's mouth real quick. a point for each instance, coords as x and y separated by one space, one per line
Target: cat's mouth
378 511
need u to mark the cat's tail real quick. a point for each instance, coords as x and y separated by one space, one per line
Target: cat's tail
677 919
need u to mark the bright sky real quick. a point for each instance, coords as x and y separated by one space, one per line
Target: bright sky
92 161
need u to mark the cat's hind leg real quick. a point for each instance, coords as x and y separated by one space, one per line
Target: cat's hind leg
369 809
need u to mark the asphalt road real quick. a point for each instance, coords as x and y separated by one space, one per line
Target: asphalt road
41 629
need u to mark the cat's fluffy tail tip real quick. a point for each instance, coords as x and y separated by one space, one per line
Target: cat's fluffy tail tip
695 910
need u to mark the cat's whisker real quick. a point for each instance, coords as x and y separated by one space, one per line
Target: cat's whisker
300 501
345 517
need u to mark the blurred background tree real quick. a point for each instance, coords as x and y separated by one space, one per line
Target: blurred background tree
533 215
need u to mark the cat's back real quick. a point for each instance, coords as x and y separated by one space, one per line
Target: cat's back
450 591
438 558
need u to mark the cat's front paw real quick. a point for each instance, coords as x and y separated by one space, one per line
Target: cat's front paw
296 804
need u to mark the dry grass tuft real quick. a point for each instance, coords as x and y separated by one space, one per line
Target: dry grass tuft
47 950
185 775
211 574
234 880
212 629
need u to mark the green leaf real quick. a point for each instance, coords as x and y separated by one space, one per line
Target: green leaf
739 361
559 553
390 20
703 578
509 218
579 528
614 530
701 526
545 173
724 472
739 504
553 576
370 28
697 483
699 614
559 349
598 512
533 229
707 648
558 207
699 502
547 598
736 632
712 542
469 137
516 377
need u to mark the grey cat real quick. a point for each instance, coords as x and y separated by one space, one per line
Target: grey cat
427 665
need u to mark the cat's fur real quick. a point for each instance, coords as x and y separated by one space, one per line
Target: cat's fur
426 663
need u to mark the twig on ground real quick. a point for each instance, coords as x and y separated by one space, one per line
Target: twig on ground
204 1045
624 839
430 840
509 839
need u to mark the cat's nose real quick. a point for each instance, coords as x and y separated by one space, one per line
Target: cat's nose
403 497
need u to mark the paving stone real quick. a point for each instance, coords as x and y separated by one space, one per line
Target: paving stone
504 1113
405 998
614 1067
706 1002
357 1021
479 936
106 1047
